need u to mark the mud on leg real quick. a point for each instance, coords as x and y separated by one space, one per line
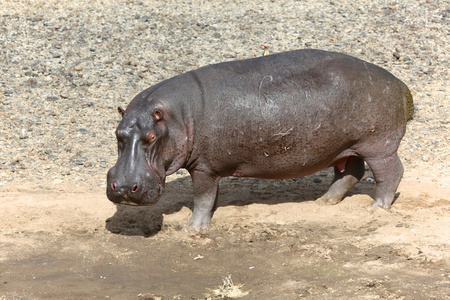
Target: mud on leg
344 181
206 189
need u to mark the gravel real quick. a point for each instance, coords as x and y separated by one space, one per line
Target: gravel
67 65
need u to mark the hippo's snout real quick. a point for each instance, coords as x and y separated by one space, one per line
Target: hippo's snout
124 194
133 192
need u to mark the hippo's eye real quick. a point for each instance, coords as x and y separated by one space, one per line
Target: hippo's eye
150 137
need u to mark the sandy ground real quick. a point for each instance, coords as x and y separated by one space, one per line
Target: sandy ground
72 243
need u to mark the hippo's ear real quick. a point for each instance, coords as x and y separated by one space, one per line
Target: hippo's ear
157 115
121 111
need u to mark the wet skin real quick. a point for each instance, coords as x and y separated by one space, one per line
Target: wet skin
279 116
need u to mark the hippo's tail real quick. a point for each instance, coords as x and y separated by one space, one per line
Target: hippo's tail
409 111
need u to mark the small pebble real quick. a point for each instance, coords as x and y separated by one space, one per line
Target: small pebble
32 81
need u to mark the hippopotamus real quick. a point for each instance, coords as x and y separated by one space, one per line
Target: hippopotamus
279 116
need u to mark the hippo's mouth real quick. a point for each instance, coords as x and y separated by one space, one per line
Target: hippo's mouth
124 202
132 202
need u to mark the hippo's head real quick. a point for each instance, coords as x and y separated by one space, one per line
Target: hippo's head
144 155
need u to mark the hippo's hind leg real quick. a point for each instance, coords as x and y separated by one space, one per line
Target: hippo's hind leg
206 188
343 181
387 172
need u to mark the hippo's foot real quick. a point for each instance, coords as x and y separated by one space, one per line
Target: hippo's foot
197 225
324 200
385 203
378 203
194 230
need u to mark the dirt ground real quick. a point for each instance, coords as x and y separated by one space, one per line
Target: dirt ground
274 242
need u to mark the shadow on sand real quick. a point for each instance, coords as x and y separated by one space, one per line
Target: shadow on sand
148 220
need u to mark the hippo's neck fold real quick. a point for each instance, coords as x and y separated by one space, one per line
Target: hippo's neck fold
183 149
182 139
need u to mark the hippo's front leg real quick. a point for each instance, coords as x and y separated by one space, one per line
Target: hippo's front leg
206 188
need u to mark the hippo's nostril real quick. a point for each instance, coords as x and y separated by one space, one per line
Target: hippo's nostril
135 188
113 186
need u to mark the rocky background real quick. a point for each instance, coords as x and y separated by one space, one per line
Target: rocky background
66 65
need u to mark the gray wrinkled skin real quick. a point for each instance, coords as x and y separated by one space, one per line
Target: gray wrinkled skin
279 116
